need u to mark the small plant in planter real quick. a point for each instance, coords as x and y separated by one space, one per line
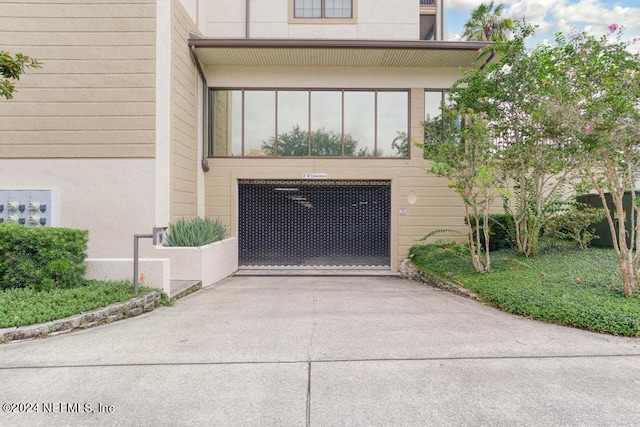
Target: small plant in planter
195 232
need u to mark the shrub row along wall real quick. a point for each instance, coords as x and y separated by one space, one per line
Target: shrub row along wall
41 258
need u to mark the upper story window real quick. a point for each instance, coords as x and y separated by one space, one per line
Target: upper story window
323 9
309 123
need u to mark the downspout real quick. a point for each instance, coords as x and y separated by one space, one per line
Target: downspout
492 55
247 17
204 162
440 11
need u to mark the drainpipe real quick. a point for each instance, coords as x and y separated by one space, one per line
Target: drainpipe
440 11
492 55
205 110
246 24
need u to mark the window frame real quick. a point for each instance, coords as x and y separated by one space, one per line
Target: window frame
443 100
323 20
211 142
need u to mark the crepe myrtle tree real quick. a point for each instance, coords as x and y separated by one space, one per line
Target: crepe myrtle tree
604 117
519 93
459 146
11 68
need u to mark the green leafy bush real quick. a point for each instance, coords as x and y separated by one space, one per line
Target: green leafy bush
195 232
502 231
41 258
576 224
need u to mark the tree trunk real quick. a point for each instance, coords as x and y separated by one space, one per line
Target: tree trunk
629 274
485 219
474 241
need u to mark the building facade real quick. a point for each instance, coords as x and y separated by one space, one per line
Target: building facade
290 120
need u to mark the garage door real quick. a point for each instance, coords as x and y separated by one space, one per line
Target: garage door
330 224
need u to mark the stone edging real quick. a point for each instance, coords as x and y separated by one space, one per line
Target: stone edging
111 313
410 271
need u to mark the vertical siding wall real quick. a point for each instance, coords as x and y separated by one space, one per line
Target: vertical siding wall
95 95
184 118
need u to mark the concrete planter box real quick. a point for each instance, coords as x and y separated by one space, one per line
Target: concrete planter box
208 264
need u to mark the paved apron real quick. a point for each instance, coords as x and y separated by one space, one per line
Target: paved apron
322 351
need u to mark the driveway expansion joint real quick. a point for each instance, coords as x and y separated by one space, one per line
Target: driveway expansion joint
310 362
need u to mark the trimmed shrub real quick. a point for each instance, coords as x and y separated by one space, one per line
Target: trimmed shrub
502 231
195 232
576 224
41 258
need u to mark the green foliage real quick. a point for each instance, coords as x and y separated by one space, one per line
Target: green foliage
460 149
195 232
26 306
487 24
41 258
576 224
570 287
502 231
520 94
400 144
165 300
436 232
554 114
453 258
11 68
603 119
323 143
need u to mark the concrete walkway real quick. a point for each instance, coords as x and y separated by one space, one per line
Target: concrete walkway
322 351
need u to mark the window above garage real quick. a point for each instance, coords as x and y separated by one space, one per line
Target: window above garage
322 11
309 123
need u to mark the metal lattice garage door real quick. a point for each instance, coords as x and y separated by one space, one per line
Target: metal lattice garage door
333 224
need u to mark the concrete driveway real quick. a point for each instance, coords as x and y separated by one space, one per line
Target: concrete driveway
322 351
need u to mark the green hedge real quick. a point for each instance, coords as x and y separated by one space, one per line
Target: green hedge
41 258
502 231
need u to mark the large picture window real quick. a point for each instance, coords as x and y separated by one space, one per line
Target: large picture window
309 123
323 9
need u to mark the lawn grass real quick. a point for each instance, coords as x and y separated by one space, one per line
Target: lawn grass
25 306
563 285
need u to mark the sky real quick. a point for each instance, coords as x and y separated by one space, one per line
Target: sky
551 16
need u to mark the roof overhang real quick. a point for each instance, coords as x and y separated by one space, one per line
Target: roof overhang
336 53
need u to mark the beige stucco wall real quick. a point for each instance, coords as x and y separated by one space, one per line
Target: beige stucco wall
94 96
373 19
436 206
108 197
184 117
